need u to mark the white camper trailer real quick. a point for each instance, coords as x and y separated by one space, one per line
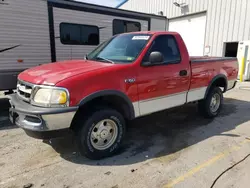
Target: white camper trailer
34 32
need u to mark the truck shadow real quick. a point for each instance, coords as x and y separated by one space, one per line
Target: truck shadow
164 133
4 114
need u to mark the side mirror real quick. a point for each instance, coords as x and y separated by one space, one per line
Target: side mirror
156 58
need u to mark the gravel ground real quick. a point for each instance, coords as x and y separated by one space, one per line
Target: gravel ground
173 148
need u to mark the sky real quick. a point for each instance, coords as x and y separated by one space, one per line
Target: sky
109 3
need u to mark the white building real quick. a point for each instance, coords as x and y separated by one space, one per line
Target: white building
209 27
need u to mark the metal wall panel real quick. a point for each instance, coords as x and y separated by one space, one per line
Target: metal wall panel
242 19
246 24
24 23
227 20
221 26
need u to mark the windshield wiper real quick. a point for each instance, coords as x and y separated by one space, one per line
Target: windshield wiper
105 59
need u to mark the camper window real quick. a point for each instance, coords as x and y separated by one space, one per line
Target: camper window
78 34
124 26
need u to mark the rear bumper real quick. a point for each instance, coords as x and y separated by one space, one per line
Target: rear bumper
42 121
231 84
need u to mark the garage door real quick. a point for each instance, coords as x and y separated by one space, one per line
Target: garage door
192 29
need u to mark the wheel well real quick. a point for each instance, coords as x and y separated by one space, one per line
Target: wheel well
110 101
220 82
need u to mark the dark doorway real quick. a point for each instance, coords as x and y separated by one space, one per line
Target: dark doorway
231 49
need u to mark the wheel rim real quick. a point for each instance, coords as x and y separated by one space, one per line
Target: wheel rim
104 134
215 103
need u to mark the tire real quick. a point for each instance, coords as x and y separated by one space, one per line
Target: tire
205 106
95 131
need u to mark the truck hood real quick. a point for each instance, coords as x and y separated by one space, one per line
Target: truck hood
50 74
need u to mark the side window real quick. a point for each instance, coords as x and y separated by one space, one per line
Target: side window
124 26
167 45
78 34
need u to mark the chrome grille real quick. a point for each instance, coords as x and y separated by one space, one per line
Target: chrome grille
24 90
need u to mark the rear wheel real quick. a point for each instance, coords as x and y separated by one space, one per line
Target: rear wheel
101 134
211 105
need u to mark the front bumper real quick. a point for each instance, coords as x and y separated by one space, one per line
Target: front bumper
39 119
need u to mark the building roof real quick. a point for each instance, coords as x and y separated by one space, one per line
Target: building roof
104 8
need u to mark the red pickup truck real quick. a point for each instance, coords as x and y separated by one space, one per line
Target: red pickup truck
127 76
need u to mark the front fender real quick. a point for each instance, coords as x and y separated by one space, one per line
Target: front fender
120 94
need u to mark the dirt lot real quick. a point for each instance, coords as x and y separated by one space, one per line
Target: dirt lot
174 148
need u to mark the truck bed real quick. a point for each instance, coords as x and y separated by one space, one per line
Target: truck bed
204 69
200 59
208 67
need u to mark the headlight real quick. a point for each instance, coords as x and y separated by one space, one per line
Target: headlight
51 97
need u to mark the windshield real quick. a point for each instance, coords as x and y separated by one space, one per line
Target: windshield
120 49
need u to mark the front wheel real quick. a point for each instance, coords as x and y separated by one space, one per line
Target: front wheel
211 105
101 134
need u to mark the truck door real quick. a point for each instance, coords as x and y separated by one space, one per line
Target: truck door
165 85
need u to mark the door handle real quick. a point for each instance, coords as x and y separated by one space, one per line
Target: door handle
183 73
